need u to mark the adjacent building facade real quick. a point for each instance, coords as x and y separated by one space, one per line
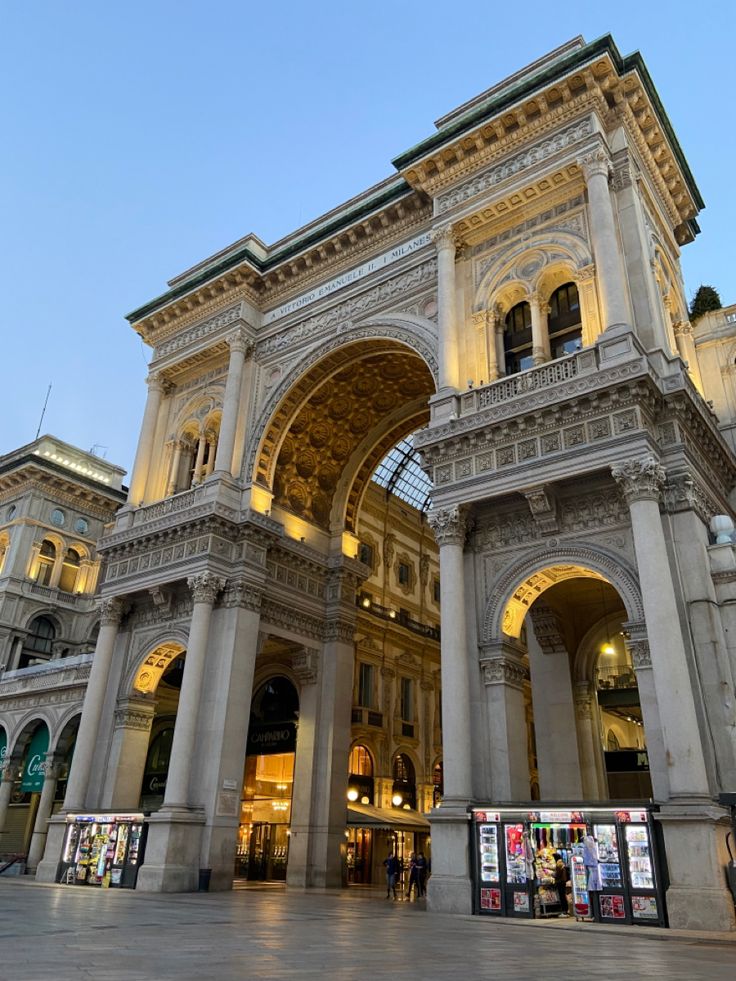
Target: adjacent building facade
512 300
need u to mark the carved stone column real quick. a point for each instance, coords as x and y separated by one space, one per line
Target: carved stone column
306 667
450 526
45 806
239 349
642 482
592 773
683 331
205 588
111 612
199 460
127 761
635 638
141 467
171 486
504 675
540 329
449 370
596 168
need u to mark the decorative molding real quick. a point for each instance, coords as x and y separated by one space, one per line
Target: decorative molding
339 630
130 717
449 525
305 665
294 621
243 594
206 327
504 671
111 610
595 164
543 506
640 654
444 237
684 493
640 480
514 165
205 586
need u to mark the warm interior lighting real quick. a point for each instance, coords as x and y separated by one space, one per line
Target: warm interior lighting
396 800
366 601
365 800
352 794
392 614
608 649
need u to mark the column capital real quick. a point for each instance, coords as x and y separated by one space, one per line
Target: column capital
585 274
503 671
450 525
640 480
682 327
240 592
444 237
641 656
111 610
205 586
305 665
157 382
595 164
238 342
480 318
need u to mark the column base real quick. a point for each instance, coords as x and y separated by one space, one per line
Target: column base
695 842
316 859
450 889
48 867
172 856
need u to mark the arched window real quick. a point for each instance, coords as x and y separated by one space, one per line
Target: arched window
564 323
360 775
405 787
46 561
438 783
69 571
361 763
38 644
517 339
159 752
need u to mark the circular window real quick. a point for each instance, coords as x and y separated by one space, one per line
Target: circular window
11 511
58 517
81 525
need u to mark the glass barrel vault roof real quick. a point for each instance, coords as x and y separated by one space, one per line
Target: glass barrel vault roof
399 472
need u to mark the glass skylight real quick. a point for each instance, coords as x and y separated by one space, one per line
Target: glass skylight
399 472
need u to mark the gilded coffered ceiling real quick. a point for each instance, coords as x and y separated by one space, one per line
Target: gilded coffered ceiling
343 428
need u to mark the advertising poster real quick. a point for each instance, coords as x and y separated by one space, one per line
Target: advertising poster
644 907
490 899
521 902
612 907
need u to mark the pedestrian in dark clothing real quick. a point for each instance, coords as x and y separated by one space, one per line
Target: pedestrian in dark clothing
561 877
422 873
413 878
391 863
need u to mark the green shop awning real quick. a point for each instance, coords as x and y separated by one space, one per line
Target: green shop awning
390 819
34 768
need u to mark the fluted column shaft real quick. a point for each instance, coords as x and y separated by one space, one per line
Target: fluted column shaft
642 482
609 266
449 528
231 403
94 698
144 452
205 588
449 369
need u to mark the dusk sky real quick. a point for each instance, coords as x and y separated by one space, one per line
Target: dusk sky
141 137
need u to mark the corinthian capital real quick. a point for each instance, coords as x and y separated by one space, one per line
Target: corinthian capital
111 610
157 383
595 164
239 342
205 587
640 480
450 525
444 238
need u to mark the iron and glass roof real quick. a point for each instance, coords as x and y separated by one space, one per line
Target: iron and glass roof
400 473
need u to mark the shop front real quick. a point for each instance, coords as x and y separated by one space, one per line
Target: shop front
612 865
104 850
373 832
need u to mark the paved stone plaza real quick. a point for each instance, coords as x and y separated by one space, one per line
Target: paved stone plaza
53 932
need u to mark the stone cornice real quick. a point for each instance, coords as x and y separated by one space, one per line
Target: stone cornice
62 489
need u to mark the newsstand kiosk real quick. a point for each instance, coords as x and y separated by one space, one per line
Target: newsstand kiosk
513 862
103 850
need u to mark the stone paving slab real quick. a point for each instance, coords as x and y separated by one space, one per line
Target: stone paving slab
65 932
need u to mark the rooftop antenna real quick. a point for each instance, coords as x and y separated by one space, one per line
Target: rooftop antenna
43 411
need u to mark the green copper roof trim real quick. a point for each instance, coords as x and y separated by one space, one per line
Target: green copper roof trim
398 189
526 87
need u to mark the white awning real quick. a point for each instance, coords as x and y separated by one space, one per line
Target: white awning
368 816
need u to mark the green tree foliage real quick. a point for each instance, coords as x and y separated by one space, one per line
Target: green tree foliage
705 299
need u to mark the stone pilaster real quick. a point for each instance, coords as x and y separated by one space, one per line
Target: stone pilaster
141 467
239 350
446 244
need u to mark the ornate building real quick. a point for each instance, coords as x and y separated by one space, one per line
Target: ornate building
512 296
55 501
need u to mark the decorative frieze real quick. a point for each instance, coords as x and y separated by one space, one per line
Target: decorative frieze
339 630
503 671
132 717
640 654
683 492
243 594
201 330
291 620
543 506
514 165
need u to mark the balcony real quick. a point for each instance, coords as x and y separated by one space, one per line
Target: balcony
58 673
617 676
368 717
81 602
399 617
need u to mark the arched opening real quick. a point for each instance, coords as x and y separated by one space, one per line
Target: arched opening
265 807
39 642
69 571
162 676
46 562
404 790
565 323
360 840
30 749
517 339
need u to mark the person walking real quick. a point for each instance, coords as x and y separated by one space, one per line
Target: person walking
413 877
422 873
391 864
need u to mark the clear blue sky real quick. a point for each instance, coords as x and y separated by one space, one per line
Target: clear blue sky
140 137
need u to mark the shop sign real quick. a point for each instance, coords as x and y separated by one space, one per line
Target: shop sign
561 817
34 771
154 783
276 737
104 818
631 817
487 816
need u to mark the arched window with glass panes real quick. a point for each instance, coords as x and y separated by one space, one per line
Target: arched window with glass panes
38 645
564 326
